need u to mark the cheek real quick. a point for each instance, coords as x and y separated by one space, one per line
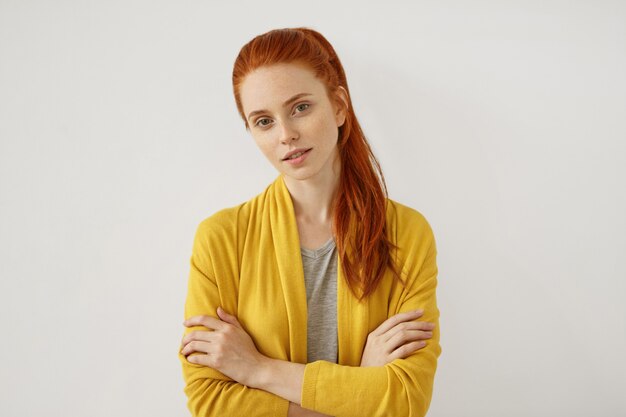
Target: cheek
331 132
269 153
326 128
262 146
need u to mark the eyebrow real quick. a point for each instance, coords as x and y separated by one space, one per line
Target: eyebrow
285 104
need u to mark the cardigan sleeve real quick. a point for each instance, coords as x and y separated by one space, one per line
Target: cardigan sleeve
402 387
209 392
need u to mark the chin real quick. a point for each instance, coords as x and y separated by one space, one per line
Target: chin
303 176
298 177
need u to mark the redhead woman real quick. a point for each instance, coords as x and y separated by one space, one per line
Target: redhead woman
318 295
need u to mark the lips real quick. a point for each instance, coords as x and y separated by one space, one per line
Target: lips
295 151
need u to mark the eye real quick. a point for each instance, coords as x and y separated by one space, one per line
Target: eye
303 104
258 122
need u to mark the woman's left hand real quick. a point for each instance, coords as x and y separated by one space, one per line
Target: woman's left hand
228 348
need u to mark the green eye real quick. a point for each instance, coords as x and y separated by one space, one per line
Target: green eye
258 122
303 104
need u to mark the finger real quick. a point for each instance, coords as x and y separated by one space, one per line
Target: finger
228 318
196 335
206 321
404 337
406 350
394 320
196 346
405 326
199 359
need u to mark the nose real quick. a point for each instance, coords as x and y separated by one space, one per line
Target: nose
288 133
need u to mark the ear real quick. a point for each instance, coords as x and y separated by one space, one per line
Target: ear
341 106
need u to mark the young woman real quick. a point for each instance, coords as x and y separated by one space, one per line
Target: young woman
304 300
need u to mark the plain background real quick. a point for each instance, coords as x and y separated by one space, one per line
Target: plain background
503 122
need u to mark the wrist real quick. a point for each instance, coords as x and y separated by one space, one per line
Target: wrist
263 374
282 378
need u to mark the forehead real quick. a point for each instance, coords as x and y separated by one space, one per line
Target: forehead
270 86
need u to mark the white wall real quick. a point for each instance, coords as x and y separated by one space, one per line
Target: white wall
503 122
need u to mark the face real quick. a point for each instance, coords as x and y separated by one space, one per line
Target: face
287 109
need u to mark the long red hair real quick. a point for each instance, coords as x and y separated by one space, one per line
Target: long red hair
359 207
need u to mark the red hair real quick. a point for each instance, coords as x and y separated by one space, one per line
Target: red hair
359 207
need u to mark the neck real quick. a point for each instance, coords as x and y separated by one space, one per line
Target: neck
313 197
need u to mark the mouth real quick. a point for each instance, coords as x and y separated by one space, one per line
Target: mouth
297 155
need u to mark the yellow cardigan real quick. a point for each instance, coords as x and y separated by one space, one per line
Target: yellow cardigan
247 259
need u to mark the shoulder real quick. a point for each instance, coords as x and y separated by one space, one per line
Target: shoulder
214 233
413 235
230 220
221 220
408 222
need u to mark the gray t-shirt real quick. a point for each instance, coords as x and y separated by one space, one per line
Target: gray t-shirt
320 277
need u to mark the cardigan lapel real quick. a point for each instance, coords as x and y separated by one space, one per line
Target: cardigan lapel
352 315
352 320
288 257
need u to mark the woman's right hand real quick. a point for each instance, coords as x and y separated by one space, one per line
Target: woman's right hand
397 337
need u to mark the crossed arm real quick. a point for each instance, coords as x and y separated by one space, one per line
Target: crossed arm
226 375
229 349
